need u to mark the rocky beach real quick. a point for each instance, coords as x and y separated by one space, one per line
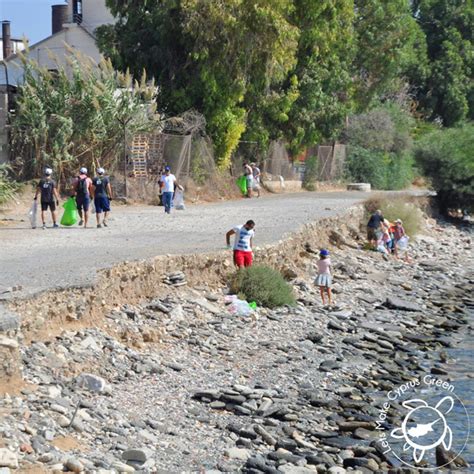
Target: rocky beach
173 382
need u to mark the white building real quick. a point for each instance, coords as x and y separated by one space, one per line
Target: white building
17 45
73 26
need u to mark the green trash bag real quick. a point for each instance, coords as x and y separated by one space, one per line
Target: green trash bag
242 184
70 216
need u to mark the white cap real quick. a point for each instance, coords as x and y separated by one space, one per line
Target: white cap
48 171
100 170
83 170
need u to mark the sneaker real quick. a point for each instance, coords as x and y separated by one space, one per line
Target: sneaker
55 226
105 224
99 226
81 222
44 227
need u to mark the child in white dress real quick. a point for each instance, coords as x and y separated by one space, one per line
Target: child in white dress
324 278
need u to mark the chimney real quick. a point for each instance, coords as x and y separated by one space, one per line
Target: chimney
59 17
6 37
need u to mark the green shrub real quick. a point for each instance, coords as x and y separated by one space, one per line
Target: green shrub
397 207
383 170
366 166
7 187
372 130
264 285
446 157
400 171
311 172
380 147
386 128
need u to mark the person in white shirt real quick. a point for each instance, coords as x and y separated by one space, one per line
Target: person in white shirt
248 173
256 178
168 185
243 242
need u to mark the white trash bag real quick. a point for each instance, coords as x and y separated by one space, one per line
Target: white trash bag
179 200
402 244
240 308
33 214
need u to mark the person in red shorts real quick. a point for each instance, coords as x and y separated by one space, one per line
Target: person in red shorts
243 241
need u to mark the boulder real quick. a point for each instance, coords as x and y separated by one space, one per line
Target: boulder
91 382
403 305
365 187
8 458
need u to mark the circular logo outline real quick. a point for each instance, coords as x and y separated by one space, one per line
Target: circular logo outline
468 432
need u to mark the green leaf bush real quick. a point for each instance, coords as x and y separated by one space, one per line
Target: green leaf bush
7 186
446 158
262 284
380 147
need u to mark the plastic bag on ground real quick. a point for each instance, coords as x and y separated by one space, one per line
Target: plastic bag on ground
240 308
179 200
33 214
242 184
230 298
70 216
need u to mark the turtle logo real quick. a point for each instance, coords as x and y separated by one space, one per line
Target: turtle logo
425 427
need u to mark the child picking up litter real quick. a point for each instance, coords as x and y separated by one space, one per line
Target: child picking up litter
324 280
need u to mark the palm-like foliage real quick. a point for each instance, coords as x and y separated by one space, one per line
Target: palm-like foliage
75 116
7 187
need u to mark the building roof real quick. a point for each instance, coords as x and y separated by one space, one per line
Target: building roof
12 63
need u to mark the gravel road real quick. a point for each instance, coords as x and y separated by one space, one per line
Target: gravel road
39 259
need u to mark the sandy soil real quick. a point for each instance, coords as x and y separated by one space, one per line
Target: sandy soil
37 260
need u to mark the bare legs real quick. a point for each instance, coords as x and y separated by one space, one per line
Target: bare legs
83 216
327 290
43 217
104 221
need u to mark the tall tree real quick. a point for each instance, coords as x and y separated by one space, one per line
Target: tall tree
213 56
388 43
325 52
448 93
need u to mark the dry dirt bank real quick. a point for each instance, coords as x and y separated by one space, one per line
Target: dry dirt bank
47 315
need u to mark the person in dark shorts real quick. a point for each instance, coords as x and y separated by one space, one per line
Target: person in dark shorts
102 192
49 196
82 191
374 226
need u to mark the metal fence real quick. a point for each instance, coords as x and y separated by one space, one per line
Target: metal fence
189 156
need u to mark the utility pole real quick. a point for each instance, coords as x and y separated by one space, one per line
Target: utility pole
124 122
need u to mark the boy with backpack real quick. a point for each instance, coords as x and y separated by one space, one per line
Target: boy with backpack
49 196
82 191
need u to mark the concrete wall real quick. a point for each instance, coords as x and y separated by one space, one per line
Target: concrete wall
94 14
